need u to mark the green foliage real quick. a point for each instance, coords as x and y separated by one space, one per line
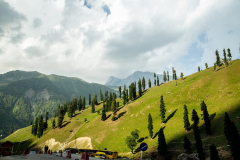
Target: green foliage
149 83
167 76
103 118
227 127
199 69
143 84
93 106
139 87
157 81
162 146
53 124
195 117
89 99
207 122
40 127
150 125
162 110
120 91
229 54
206 65
164 76
187 145
185 119
217 58
213 152
235 142
182 75
60 117
131 140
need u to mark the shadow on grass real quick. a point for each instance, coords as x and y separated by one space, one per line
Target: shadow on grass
65 124
76 114
142 139
212 116
170 116
108 116
27 145
120 115
119 108
157 133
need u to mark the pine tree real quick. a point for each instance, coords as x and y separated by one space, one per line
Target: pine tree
207 122
173 71
187 145
217 58
60 117
83 103
120 91
89 100
198 142
227 127
195 117
127 95
198 69
124 98
139 87
229 55
164 76
70 111
35 126
53 124
32 131
203 106
101 95
162 146
93 106
235 142
80 103
46 124
215 67
103 113
225 58
206 65
213 152
143 84
149 83
167 76
40 127
157 81
186 120
154 79
181 75
162 110
150 125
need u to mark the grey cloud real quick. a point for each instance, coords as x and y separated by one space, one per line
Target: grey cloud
1 32
37 23
68 52
8 16
53 37
33 51
137 40
1 51
17 39
91 36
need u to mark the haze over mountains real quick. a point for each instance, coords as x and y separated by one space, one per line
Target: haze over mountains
114 81
25 95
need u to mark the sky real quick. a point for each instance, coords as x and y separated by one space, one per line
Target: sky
96 39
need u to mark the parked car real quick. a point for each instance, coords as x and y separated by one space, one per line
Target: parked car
32 152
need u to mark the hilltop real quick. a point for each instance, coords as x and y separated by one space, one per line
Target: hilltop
220 90
25 95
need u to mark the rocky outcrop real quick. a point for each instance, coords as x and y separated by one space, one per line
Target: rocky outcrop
184 156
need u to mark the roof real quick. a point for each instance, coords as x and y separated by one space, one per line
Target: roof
7 142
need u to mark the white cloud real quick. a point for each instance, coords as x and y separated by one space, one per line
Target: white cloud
68 38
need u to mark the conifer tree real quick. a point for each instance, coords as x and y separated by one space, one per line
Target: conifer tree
103 115
207 122
120 91
157 81
203 106
217 58
149 83
93 106
124 98
164 76
40 127
181 75
60 117
215 67
213 152
186 120
198 139
80 103
70 110
154 79
32 131
229 54
46 124
225 58
101 95
130 92
53 124
167 76
206 65
227 127
83 103
187 145
127 95
150 125
162 110
35 126
195 117
139 87
89 100
235 142
162 146
143 84
173 71
198 69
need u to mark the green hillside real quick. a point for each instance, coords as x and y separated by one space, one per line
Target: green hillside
220 90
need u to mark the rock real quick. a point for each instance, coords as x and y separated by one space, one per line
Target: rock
184 156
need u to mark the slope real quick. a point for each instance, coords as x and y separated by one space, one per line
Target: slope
220 91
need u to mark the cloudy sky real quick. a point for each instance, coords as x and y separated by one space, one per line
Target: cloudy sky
96 39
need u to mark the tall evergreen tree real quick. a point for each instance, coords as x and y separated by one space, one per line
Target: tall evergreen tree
139 87
93 106
70 110
229 54
162 110
127 95
167 76
227 127
164 76
143 84
101 95
32 131
80 103
35 126
120 91
197 136
173 72
186 120
40 127
187 145
103 115
195 117
225 58
83 103
45 123
89 100
207 122
217 58
206 65
150 125
124 98
154 79
60 117
53 124
235 142
213 152
162 146
203 106
149 83
130 91
198 69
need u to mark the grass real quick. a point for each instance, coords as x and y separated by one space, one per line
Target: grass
220 90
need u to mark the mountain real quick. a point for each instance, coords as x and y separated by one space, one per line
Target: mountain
219 89
25 95
113 81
